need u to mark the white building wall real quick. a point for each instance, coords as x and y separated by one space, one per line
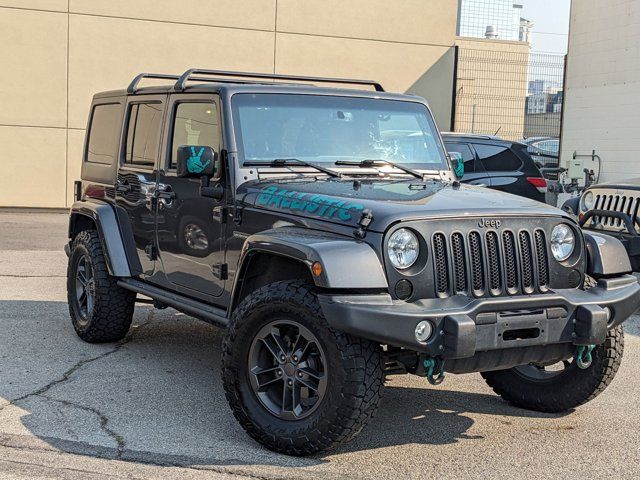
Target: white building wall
602 103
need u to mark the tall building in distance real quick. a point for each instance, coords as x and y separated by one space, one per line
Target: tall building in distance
499 19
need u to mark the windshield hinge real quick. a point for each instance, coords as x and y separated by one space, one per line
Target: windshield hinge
363 224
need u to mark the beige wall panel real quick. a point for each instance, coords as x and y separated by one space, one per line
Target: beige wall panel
257 14
74 160
397 66
55 5
33 60
33 163
106 53
417 21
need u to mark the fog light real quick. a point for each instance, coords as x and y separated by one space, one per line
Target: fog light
423 331
404 289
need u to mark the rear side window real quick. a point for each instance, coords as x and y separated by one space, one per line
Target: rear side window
496 158
468 157
103 134
143 134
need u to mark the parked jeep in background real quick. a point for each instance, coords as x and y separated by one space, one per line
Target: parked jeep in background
612 208
323 228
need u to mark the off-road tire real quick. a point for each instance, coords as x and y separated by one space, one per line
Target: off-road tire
355 373
570 389
113 306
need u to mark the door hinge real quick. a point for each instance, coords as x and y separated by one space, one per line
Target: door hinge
220 271
151 251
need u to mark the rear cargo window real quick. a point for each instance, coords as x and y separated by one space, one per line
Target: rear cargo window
496 158
103 134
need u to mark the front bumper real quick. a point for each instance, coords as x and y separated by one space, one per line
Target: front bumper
464 327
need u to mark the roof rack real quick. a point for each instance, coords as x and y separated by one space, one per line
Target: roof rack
186 76
133 86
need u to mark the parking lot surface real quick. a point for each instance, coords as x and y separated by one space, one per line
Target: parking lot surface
152 406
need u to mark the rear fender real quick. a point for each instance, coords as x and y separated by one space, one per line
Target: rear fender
115 235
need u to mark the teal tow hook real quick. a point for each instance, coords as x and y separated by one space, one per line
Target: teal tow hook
435 370
583 356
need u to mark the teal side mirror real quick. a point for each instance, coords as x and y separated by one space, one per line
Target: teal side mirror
457 164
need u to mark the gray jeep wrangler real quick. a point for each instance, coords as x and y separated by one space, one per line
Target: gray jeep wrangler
326 231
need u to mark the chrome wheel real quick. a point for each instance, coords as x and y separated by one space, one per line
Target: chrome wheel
195 237
287 369
85 288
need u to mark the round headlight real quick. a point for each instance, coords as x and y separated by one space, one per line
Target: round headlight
563 241
587 201
403 248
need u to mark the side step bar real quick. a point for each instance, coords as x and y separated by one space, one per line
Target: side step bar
195 308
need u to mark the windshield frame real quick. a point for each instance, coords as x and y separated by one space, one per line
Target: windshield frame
426 167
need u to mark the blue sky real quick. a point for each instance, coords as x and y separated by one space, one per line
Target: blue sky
551 19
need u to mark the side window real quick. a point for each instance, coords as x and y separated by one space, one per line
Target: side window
143 134
195 124
495 158
104 133
468 157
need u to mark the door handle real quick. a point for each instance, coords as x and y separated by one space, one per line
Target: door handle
165 192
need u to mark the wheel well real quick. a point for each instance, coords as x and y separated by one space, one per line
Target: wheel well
264 268
78 223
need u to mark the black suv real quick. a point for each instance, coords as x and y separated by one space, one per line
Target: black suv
492 162
324 230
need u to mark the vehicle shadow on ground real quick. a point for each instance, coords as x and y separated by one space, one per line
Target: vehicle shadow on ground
157 397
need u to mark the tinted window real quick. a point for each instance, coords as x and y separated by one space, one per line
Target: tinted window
497 159
195 124
468 157
143 134
325 129
103 137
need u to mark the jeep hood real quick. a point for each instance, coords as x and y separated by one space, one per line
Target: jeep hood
343 201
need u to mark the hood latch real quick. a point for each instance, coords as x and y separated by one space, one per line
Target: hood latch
363 224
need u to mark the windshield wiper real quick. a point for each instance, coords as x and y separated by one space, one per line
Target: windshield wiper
373 163
283 162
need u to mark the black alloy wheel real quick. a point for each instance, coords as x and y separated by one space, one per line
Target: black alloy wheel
287 369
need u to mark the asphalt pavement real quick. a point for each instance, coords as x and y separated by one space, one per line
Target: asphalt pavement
152 406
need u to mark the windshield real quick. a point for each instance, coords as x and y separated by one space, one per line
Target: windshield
326 129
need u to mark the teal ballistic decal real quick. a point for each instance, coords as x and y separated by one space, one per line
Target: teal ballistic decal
319 205
194 162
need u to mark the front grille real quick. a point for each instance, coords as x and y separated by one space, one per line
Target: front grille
614 202
490 263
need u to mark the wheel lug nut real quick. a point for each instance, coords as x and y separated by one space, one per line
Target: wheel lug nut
279 372
290 382
295 358
300 374
282 358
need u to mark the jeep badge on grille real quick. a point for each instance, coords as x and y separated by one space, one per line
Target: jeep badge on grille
489 223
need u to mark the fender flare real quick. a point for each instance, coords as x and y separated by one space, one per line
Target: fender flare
346 263
121 261
606 255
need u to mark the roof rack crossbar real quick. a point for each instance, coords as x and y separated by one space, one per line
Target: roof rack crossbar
186 76
133 86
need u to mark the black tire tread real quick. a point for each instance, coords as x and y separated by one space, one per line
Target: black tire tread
606 361
360 395
113 305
